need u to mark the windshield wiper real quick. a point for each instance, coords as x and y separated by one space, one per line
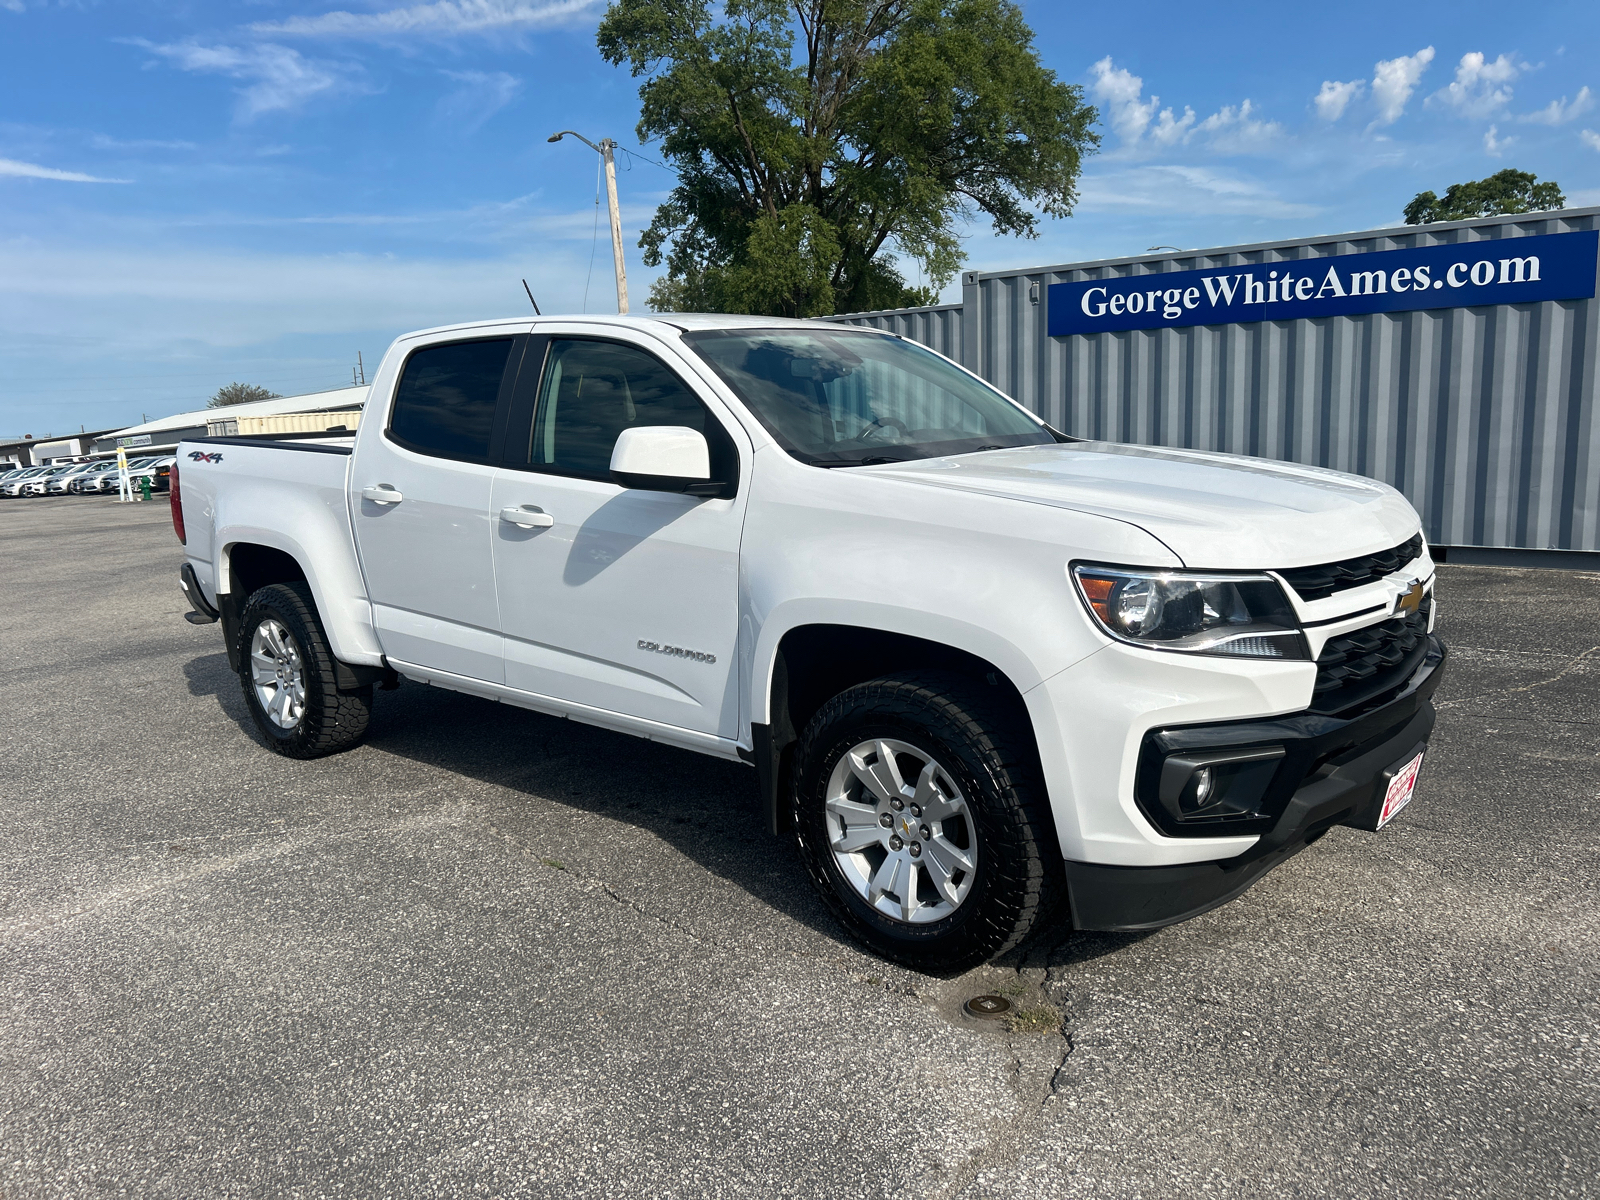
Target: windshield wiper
872 460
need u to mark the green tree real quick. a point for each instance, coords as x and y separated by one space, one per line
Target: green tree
814 139
1508 191
240 393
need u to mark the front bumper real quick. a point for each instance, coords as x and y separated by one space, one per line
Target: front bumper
1347 766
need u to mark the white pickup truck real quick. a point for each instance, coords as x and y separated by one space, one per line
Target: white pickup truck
987 674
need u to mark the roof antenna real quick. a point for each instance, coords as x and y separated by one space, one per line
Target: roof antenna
531 300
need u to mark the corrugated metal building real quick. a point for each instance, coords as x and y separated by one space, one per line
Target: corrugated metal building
166 433
1479 408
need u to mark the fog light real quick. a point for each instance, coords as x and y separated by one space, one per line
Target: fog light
1217 784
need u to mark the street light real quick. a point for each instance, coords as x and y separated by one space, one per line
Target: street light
604 150
1153 249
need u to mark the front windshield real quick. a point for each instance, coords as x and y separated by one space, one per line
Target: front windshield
844 399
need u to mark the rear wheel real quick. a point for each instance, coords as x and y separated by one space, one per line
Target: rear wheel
922 817
287 672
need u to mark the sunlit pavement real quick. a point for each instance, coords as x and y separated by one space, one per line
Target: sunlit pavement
496 953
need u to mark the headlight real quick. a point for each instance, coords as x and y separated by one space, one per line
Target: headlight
1237 616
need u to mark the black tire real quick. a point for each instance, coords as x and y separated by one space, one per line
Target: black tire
981 743
332 720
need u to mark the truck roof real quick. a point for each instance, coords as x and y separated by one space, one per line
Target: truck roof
680 321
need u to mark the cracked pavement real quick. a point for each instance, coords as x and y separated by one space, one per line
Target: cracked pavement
494 953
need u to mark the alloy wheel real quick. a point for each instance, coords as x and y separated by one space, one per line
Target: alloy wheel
278 672
900 831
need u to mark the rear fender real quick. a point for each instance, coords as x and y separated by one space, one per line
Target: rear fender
335 582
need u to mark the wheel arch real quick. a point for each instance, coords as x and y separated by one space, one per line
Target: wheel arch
812 663
254 558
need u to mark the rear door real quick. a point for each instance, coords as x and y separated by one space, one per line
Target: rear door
420 495
628 601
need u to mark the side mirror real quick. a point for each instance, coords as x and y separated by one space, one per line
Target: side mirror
663 458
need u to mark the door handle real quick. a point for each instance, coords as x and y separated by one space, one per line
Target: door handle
529 516
381 493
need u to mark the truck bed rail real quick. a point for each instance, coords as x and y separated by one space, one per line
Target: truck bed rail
281 441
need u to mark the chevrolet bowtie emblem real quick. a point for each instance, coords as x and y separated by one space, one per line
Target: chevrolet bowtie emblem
1411 599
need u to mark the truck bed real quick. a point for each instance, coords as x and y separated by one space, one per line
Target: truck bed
288 492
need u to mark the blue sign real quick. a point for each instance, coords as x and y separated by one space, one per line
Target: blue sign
1554 266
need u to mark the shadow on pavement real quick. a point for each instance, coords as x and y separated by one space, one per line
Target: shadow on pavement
705 808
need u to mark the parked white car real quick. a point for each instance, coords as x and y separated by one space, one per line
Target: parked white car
61 483
39 485
15 481
103 477
107 477
987 674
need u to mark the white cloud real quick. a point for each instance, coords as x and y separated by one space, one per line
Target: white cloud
1235 131
101 142
444 17
1559 112
1481 87
1169 132
1189 191
160 296
1335 97
1393 81
23 170
1496 145
277 77
1590 139
480 96
13 5
1228 131
1120 89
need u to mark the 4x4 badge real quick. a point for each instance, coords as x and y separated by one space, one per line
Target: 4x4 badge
1411 599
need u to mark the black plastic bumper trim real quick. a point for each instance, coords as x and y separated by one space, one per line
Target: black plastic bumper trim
1135 899
1354 762
204 613
1311 742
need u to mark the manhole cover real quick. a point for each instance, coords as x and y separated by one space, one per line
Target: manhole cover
987 1006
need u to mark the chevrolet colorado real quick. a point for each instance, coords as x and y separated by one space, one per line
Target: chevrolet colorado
987 674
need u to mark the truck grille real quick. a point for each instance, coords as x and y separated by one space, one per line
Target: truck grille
1365 666
1317 583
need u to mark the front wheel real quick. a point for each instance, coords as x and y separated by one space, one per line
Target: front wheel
287 673
921 814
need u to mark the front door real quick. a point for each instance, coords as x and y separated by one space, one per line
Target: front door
420 503
628 600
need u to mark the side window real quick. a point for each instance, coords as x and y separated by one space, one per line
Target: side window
593 390
445 403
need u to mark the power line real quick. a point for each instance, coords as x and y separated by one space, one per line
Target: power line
642 158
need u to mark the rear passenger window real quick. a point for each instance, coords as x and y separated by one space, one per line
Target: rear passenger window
446 400
593 390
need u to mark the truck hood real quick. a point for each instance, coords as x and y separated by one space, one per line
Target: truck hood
1212 510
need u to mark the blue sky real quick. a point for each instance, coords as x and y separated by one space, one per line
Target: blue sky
195 193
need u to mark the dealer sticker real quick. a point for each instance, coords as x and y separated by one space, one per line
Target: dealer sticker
1401 787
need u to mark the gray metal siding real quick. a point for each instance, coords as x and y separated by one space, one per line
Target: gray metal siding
1483 417
938 328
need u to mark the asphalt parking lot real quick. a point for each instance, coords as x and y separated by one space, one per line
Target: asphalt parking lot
494 953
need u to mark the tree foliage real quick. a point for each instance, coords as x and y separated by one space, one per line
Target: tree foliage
1508 191
240 393
814 139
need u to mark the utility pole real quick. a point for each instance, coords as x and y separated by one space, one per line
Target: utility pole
606 150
